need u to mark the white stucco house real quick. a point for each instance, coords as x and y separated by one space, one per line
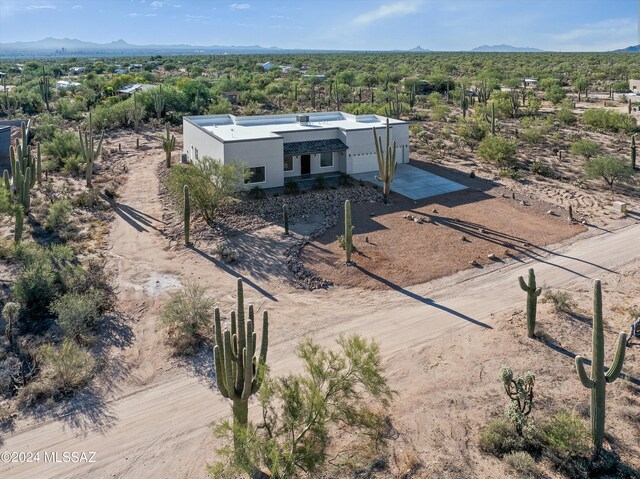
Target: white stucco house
279 147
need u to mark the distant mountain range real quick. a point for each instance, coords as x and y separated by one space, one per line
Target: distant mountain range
632 49
52 47
505 49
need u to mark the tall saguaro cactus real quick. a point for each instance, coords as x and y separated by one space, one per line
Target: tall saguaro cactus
599 379
285 214
348 231
633 152
532 301
187 214
45 89
168 144
387 164
86 148
239 372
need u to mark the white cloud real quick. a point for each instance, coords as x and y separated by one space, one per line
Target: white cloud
41 7
388 10
607 34
156 4
77 7
142 15
239 6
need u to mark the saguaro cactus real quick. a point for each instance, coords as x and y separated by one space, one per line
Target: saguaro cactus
239 372
168 144
599 379
348 231
633 152
17 234
45 89
386 161
532 301
493 118
285 214
187 214
88 152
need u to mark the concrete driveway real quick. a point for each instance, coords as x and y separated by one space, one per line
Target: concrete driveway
414 183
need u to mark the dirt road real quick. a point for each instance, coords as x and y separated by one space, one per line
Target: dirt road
157 423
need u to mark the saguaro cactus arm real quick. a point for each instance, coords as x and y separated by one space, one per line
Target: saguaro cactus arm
582 374
618 360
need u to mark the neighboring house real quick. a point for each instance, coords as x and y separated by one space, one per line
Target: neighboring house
634 86
315 78
532 82
63 84
76 70
10 131
132 87
279 147
231 96
135 66
265 66
121 71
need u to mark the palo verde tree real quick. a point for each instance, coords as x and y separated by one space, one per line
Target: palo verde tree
599 379
387 164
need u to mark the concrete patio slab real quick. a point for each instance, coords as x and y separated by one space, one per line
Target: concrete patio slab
414 183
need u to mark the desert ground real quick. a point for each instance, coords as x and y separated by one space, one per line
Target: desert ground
443 341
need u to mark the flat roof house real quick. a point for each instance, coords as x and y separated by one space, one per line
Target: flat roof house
279 147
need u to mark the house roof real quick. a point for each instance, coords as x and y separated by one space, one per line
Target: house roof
313 146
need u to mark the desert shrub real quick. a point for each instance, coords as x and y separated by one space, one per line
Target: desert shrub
340 392
519 389
58 215
320 183
609 168
63 370
90 200
534 131
521 462
120 114
211 184
555 94
415 129
257 193
186 317
73 165
439 112
77 313
345 180
63 145
609 120
291 187
71 109
511 173
471 131
561 301
498 150
585 148
10 368
46 128
499 437
539 168
565 113
565 434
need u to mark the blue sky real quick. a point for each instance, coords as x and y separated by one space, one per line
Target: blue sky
561 25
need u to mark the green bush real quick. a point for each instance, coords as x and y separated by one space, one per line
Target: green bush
539 168
609 168
439 112
522 463
561 301
471 131
186 318
63 370
609 120
35 287
257 193
77 313
291 187
499 437
64 144
498 150
565 434
211 184
565 113
585 148
73 165
90 200
534 131
58 216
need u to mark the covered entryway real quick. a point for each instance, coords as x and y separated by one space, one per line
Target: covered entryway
305 164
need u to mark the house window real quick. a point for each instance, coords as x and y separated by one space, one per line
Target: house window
326 159
195 150
258 175
288 163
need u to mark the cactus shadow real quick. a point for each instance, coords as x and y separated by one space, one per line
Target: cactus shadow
232 272
199 365
417 297
139 220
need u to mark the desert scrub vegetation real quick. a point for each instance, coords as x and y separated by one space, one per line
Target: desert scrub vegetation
211 183
607 120
561 301
59 304
186 317
608 168
498 151
343 391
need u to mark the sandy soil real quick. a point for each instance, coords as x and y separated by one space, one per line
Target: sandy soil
394 251
438 344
